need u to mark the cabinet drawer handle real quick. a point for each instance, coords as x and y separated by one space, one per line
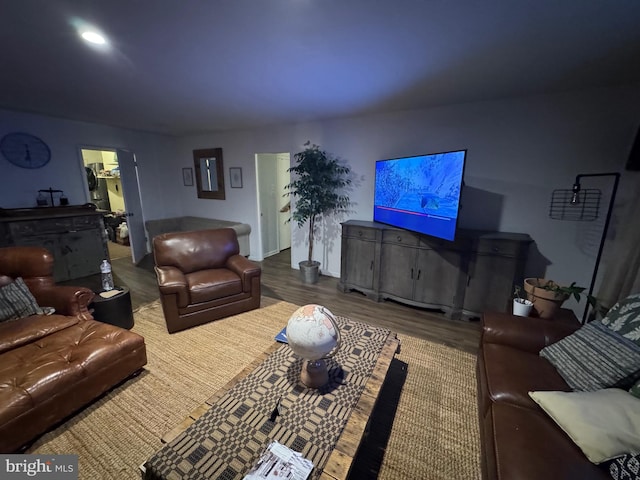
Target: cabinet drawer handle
371 267
359 233
399 238
419 272
412 273
495 249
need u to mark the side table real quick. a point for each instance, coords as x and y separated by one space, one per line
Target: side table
566 315
115 310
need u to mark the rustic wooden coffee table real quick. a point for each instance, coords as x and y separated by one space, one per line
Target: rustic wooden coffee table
223 437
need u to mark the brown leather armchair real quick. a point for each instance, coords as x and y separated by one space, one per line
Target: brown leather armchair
202 277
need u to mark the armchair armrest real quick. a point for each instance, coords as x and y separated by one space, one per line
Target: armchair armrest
67 300
245 269
172 281
525 333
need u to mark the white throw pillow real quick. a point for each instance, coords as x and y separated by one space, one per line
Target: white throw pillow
604 423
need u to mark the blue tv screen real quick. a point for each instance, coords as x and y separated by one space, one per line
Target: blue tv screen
420 193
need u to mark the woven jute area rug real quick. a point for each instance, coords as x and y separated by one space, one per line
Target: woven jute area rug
425 425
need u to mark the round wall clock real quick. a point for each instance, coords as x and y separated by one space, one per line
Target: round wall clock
25 150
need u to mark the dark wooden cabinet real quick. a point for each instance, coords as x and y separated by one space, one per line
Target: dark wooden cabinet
75 236
496 265
474 273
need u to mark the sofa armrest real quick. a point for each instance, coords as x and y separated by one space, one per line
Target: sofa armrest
172 281
67 300
245 269
524 333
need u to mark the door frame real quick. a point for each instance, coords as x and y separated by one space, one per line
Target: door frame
259 204
136 252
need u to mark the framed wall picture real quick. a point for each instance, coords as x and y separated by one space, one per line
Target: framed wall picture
209 173
236 177
187 177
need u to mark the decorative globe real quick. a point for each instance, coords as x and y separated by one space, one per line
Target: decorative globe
312 332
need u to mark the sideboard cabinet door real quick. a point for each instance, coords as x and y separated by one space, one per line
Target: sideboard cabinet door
360 265
84 252
497 264
438 278
398 267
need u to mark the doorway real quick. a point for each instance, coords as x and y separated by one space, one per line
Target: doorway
273 206
112 184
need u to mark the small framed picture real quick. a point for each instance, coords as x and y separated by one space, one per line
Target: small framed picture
236 177
187 177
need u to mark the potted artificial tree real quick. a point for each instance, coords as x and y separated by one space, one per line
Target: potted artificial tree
318 191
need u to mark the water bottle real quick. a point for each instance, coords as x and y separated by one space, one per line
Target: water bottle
107 278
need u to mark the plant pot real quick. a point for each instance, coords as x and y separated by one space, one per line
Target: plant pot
545 302
522 307
309 271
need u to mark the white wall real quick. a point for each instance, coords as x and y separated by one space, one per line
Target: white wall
519 150
65 171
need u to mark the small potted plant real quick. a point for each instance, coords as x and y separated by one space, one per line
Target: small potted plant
548 296
521 306
318 191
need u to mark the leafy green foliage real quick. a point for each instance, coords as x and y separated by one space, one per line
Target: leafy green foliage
576 292
317 188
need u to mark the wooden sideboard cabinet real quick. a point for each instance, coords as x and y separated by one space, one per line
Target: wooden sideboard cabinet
465 277
74 235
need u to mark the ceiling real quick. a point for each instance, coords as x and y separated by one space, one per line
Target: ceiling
191 66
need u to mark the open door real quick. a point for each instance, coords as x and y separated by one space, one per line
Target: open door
113 186
271 178
131 192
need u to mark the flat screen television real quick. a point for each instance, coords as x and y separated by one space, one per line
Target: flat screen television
420 193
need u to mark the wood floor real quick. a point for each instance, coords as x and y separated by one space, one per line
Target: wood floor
280 281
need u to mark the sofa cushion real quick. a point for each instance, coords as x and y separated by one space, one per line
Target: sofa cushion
27 330
203 289
604 424
16 301
511 374
595 357
624 318
625 467
635 389
529 446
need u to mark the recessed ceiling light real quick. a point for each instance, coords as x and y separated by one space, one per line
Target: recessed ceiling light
93 37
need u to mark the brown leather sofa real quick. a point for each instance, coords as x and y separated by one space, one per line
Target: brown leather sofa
519 441
53 365
202 277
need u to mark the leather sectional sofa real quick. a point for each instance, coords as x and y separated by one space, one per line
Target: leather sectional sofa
519 440
53 365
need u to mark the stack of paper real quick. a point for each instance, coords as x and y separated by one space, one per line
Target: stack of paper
280 462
